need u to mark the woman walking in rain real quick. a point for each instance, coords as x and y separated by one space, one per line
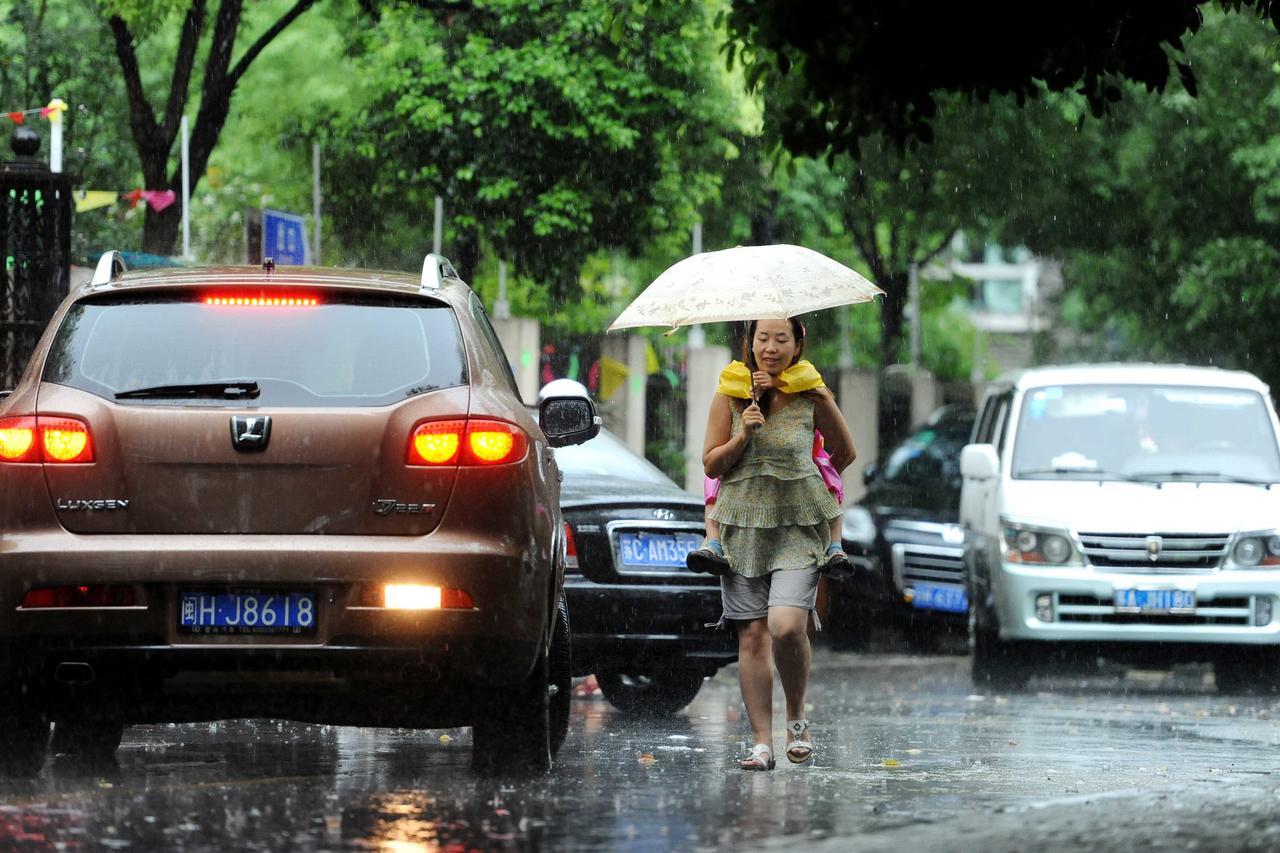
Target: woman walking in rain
774 512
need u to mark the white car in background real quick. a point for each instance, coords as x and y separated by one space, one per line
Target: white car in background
1124 511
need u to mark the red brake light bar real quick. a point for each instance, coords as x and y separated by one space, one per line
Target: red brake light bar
259 301
466 442
57 440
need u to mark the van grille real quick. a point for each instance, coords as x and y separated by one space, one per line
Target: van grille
1177 552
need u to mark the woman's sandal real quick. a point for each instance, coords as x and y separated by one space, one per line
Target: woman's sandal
760 758
798 751
709 559
836 559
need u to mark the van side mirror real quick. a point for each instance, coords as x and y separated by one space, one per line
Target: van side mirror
568 420
979 462
869 473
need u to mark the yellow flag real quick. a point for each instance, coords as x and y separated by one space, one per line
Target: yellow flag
651 363
93 199
613 374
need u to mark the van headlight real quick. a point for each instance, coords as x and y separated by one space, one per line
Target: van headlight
1033 545
858 527
1255 550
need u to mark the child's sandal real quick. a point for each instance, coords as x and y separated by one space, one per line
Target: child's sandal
798 751
836 559
709 559
760 758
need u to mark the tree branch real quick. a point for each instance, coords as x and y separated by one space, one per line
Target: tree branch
183 64
938 249
142 118
265 39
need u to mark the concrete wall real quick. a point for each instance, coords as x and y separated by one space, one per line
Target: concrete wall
704 366
624 412
522 339
858 393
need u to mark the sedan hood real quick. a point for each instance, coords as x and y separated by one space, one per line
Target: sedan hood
1120 507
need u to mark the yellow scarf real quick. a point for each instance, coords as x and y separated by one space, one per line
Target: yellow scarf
735 380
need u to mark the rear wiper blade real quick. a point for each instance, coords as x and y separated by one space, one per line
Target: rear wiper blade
1202 475
232 389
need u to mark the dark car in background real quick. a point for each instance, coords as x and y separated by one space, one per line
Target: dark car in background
640 617
905 541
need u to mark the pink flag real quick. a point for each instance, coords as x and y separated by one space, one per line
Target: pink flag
159 199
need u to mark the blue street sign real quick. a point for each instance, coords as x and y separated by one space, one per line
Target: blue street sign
284 237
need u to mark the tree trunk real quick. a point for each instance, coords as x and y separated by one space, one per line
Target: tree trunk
160 230
894 417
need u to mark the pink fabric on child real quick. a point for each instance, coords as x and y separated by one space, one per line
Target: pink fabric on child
830 477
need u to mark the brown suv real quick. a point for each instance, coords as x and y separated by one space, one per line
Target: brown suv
308 494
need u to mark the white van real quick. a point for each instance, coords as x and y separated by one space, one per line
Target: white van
1124 511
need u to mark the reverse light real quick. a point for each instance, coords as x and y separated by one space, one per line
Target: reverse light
103 595
29 438
243 301
411 596
570 549
466 442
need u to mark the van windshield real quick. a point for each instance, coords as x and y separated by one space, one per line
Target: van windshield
1145 432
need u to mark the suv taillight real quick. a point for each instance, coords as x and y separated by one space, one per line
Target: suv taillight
469 442
55 440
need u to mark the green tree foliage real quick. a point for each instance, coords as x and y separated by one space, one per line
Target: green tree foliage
878 66
553 130
1167 213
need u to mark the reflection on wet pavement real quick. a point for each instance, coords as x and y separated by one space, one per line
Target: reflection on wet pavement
900 740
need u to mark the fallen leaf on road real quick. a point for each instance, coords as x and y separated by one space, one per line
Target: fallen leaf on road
891 762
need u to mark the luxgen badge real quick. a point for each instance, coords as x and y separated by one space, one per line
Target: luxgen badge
66 505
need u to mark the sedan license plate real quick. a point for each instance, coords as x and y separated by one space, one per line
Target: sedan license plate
1155 601
937 596
247 612
656 551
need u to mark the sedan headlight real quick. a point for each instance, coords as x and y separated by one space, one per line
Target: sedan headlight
858 527
1028 544
1256 550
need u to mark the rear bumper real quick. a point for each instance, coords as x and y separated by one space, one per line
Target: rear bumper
140 649
669 625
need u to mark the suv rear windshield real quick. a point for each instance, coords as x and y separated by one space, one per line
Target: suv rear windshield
347 350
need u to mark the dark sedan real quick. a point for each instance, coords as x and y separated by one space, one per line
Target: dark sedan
639 617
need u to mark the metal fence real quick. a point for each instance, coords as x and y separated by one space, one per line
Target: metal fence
35 246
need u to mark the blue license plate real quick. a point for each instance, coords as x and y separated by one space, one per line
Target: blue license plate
937 596
1155 601
247 612
642 550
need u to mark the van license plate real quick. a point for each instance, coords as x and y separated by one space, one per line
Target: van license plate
247 612
1155 601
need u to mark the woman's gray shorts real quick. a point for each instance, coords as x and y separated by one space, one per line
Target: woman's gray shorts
751 598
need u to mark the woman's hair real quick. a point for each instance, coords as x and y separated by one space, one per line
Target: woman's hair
748 339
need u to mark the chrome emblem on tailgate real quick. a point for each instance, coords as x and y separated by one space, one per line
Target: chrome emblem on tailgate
65 505
250 433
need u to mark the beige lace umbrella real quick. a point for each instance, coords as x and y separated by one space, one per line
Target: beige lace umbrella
746 283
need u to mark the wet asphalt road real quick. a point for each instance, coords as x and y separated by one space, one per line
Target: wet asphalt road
909 757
